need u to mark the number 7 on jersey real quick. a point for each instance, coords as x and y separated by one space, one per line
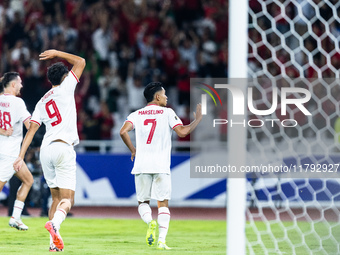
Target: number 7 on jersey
153 127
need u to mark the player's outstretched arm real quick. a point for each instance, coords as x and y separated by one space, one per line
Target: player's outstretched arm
126 138
183 131
7 132
77 62
27 123
25 144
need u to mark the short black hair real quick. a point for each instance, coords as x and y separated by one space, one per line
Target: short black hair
56 72
8 77
151 89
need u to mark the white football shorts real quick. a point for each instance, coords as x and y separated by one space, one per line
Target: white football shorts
6 167
153 186
58 161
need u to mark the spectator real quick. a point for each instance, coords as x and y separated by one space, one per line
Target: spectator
20 50
101 39
30 92
188 50
15 30
105 121
170 59
153 71
146 46
107 82
88 127
183 84
125 56
134 89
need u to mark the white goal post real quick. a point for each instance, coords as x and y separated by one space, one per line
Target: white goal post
238 46
293 44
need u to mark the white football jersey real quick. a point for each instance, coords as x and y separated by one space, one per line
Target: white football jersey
57 110
13 113
153 125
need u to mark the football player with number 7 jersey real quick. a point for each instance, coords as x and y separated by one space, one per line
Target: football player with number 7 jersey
57 110
153 126
13 114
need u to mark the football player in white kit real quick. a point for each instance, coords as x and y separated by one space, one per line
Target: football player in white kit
153 125
13 113
57 110
8 131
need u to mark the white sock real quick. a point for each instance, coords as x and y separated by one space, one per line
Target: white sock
17 209
144 210
163 223
59 217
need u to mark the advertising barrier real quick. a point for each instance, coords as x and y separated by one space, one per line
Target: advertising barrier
106 180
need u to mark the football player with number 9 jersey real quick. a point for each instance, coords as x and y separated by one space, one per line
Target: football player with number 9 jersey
57 110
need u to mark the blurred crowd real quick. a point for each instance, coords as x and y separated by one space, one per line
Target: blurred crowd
126 44
129 43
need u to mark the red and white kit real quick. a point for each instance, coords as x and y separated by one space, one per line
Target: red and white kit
57 110
13 113
153 125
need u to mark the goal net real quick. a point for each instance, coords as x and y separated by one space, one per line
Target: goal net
294 44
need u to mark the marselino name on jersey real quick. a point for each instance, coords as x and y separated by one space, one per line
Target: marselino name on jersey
150 112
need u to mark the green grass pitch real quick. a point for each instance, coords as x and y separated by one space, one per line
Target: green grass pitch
301 238
127 236
113 236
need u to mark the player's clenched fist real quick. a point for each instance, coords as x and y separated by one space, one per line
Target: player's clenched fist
18 164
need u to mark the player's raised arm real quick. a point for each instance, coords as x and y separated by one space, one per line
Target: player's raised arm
25 144
183 131
126 138
77 62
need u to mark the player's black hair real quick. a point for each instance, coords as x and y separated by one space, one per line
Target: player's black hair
56 72
151 89
7 78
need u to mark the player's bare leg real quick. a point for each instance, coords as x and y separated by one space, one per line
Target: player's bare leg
26 178
55 201
62 200
163 223
66 201
145 213
2 184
